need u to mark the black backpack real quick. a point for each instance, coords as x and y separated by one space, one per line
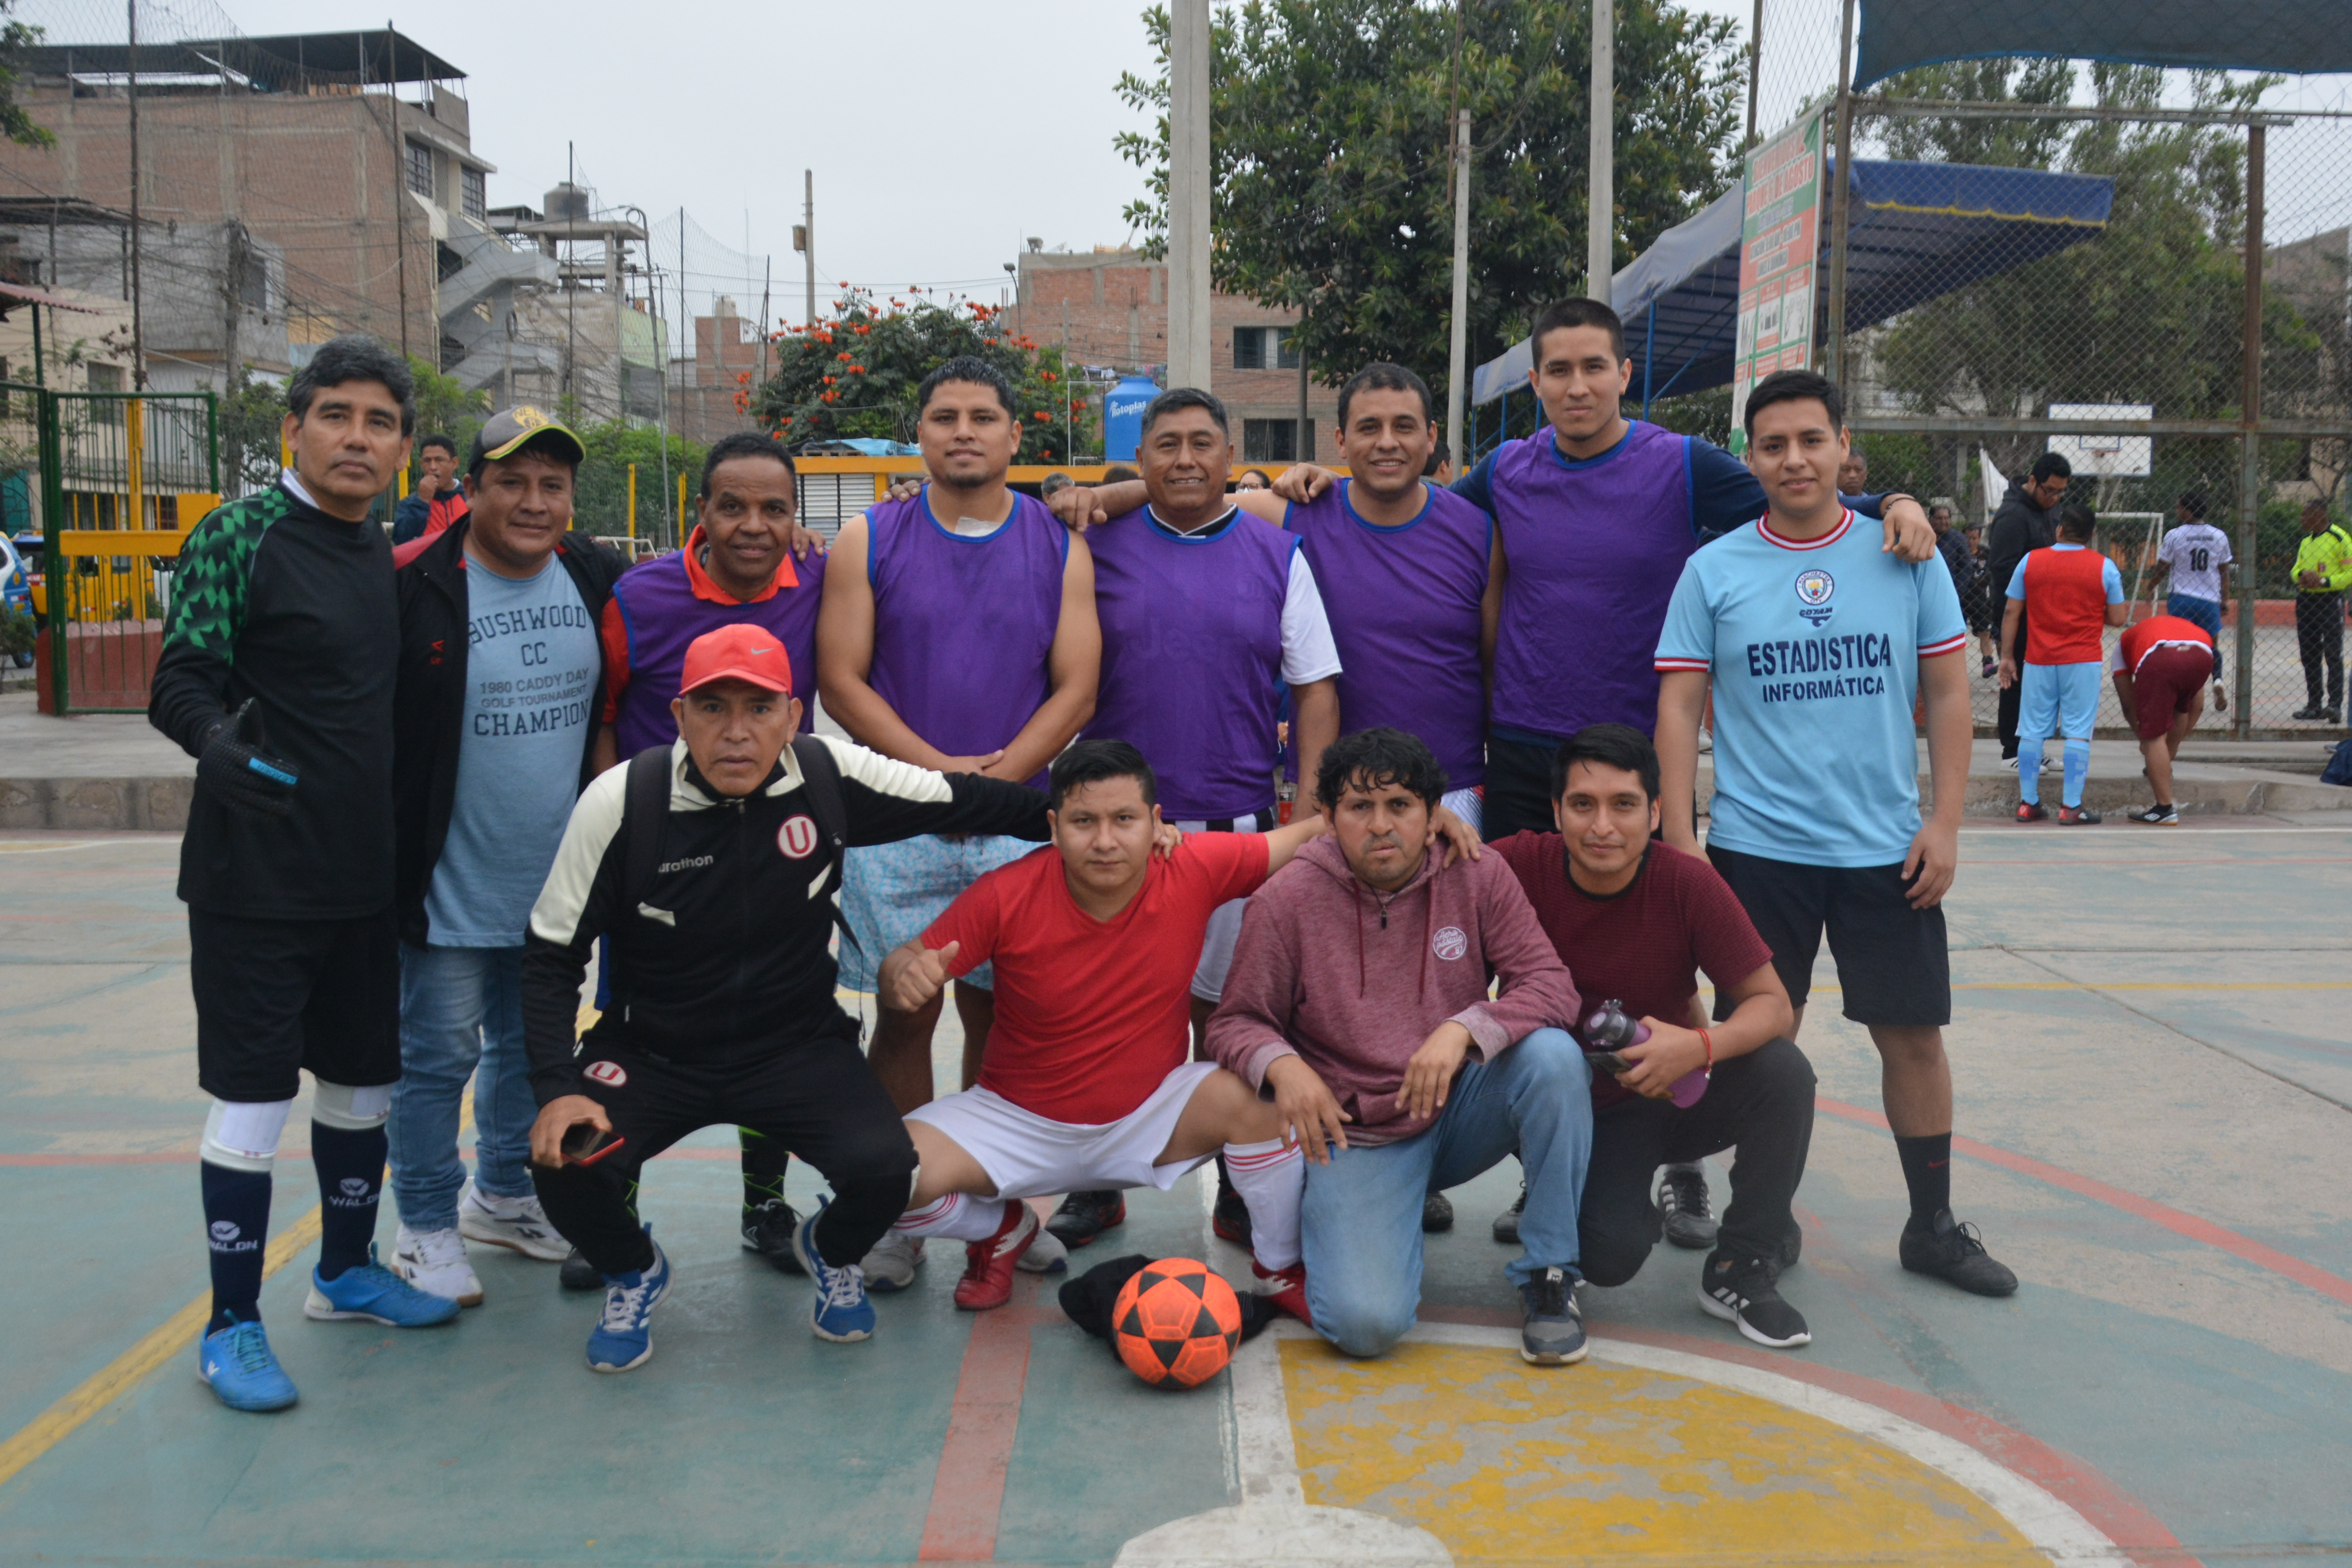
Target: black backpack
645 819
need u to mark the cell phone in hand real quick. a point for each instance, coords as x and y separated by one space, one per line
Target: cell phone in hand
585 1143
1609 1062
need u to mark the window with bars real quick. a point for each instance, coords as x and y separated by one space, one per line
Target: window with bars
420 169
1264 348
1274 441
472 193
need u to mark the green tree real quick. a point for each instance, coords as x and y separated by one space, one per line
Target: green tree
601 500
252 417
1330 148
445 406
15 37
857 375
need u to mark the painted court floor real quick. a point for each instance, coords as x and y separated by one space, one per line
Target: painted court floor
2153 1055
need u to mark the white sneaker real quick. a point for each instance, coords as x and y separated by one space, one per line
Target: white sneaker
519 1225
891 1265
435 1262
1047 1255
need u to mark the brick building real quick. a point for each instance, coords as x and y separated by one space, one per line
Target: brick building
1109 306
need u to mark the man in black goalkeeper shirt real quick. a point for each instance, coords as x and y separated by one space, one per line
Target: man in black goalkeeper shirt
276 676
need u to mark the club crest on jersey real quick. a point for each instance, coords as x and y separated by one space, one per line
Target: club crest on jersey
1449 944
1814 587
605 1072
797 838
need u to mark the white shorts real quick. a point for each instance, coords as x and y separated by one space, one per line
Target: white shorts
1030 1156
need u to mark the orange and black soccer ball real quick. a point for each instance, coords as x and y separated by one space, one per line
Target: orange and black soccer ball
1176 1323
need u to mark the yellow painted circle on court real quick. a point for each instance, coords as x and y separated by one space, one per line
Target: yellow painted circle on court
1506 1462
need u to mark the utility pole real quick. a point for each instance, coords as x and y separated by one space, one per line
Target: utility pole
1457 358
1602 185
232 307
806 243
1188 193
138 339
1304 447
1834 329
1755 67
399 175
2250 454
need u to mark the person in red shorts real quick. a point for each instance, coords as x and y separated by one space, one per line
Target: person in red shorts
1085 1083
1639 920
2160 665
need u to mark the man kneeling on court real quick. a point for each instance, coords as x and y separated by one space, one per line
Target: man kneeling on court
708 868
1358 1003
1085 1084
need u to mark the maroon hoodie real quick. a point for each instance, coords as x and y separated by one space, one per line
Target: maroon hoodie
1351 979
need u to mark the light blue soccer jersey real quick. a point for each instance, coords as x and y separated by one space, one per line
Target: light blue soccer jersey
1814 647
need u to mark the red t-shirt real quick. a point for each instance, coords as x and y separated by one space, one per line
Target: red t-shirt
1645 946
2142 636
1092 1014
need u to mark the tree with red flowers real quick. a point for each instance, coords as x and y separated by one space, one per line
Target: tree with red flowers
856 374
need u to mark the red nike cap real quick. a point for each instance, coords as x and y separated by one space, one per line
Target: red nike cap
745 653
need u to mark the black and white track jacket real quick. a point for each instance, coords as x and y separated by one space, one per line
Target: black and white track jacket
728 952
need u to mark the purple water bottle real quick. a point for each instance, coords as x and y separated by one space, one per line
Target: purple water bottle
1611 1029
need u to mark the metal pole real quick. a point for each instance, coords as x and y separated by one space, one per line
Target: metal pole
1834 329
1457 360
399 174
138 339
1303 449
2250 457
1755 68
808 246
1188 193
1600 207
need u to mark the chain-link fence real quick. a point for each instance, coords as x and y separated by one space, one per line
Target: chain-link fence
2146 270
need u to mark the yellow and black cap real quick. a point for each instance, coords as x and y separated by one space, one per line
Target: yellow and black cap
510 430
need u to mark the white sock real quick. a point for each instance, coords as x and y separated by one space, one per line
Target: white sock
959 1216
1270 1177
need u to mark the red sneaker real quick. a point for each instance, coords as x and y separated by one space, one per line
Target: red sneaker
1285 1289
988 1265
2028 812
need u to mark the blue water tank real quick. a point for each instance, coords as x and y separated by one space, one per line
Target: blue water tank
1123 409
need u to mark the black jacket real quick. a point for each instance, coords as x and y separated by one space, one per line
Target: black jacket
2018 528
277 602
728 952
429 703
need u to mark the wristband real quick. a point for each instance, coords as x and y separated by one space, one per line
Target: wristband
1708 1041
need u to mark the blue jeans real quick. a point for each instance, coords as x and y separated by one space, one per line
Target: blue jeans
1362 1212
460 1007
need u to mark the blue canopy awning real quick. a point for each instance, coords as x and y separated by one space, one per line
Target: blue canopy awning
2294 36
1914 231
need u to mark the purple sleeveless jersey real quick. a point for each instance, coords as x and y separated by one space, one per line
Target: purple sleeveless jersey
1403 604
964 626
1593 550
1191 663
666 603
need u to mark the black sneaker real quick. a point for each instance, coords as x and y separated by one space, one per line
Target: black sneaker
1552 1333
579 1274
1506 1224
2161 814
768 1231
1682 1200
1231 1218
1741 1291
1954 1252
2309 711
1085 1215
1436 1214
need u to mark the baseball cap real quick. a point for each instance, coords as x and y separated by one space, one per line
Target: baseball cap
507 431
737 653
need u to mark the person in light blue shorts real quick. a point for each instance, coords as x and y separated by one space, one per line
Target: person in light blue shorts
2077 592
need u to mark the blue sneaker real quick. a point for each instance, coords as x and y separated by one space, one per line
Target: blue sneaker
841 1314
623 1336
372 1293
240 1367
1552 1331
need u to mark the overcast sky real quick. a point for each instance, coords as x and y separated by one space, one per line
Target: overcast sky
941 133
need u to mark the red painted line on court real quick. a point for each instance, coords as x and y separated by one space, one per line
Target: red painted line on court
968 1489
2332 1285
2115 1512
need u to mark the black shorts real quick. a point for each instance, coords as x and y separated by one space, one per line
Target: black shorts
1894 961
275 997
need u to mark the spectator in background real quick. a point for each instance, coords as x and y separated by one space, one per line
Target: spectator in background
1960 555
2075 592
1119 473
1253 480
2323 570
1440 467
1053 484
2192 556
1853 470
2026 521
438 499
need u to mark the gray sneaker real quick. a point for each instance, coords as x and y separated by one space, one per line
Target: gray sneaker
891 1265
1552 1334
1683 1204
